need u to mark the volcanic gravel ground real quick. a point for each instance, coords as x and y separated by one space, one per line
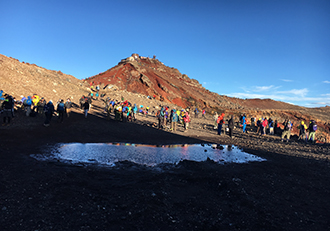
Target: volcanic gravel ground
289 191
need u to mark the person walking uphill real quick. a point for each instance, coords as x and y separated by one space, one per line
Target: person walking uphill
302 131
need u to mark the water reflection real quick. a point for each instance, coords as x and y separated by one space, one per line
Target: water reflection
150 155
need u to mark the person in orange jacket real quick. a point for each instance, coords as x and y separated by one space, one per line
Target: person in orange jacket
220 122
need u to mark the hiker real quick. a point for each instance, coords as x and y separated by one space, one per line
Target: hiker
215 118
125 113
160 115
118 112
231 126
174 120
258 125
302 131
312 130
220 122
40 106
264 126
287 130
147 111
166 116
186 120
68 107
60 110
7 107
203 113
27 105
86 107
196 112
49 110
82 101
108 107
134 111
35 101
244 123
252 123
271 126
2 98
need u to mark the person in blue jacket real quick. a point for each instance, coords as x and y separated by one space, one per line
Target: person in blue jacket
244 123
174 120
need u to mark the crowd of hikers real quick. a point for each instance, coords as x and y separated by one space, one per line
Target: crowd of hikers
125 111
167 118
264 126
33 106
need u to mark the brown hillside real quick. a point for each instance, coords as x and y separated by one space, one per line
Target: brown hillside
19 78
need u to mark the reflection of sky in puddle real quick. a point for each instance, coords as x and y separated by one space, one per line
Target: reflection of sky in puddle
150 155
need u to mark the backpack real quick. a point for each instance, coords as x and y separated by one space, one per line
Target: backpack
314 127
271 124
28 102
288 126
60 107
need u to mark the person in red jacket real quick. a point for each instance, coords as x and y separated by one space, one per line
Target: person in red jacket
186 120
264 125
220 122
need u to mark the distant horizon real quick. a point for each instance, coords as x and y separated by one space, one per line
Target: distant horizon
244 49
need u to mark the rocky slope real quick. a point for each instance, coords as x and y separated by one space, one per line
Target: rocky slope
20 78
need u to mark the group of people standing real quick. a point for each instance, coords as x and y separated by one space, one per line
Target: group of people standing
264 126
33 106
125 111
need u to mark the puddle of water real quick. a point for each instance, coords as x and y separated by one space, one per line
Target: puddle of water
150 155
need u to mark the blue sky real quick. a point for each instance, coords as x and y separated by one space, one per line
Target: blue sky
246 49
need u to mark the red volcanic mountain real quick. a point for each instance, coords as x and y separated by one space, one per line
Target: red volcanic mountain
149 76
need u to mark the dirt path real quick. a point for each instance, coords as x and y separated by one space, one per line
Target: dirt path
290 191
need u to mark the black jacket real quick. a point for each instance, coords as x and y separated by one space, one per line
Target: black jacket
231 123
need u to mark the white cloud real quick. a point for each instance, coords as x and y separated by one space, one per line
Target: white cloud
287 80
298 92
262 88
326 81
322 103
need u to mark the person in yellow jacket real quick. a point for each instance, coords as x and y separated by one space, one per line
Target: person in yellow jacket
35 101
302 131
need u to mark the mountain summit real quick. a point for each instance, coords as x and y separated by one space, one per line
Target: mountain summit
149 76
